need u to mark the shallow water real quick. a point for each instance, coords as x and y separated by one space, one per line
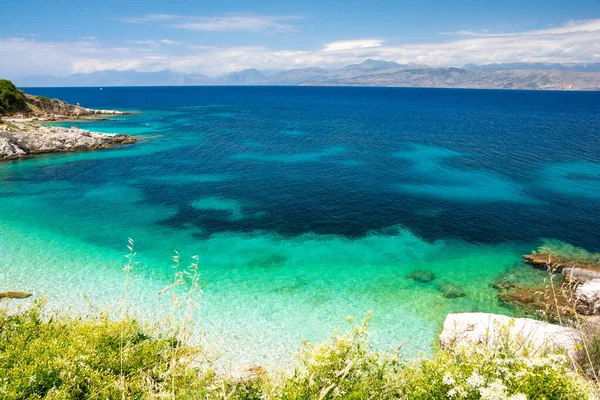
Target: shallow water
305 205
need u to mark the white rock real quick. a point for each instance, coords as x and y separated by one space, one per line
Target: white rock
33 139
587 298
577 275
491 329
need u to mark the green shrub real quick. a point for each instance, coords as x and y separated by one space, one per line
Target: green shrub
476 373
11 98
67 358
345 367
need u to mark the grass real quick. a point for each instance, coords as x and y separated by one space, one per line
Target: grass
52 356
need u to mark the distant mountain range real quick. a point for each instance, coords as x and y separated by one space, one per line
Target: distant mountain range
536 76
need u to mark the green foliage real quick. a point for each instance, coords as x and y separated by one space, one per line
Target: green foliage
345 367
66 358
11 99
101 358
476 373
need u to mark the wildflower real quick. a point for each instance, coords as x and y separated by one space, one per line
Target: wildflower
457 392
475 380
494 391
447 379
518 396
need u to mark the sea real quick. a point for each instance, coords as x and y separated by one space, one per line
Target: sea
304 205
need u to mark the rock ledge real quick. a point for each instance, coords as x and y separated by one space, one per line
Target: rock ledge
487 329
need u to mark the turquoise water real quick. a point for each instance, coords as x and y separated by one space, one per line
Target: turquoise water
305 205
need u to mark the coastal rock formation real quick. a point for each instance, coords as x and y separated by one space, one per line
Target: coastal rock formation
587 298
577 291
578 276
550 302
558 262
54 109
14 295
491 330
22 139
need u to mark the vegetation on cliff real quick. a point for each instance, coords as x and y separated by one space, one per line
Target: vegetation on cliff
11 99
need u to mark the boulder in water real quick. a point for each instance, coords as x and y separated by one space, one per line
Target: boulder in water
14 295
421 276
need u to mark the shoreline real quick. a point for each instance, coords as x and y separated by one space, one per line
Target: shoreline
23 138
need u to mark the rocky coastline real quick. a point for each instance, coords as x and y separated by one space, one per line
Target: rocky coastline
21 135
571 289
22 139
41 108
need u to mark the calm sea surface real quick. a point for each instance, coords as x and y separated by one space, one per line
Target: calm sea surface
305 205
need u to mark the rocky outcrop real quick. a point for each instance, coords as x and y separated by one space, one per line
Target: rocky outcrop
558 262
53 109
552 301
587 298
579 276
492 330
23 139
572 293
14 295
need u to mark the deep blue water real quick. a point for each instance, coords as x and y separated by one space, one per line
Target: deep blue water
326 160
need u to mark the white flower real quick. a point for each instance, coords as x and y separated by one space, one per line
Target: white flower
458 391
475 380
518 396
494 391
448 379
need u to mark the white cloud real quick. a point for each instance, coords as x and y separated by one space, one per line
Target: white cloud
572 42
352 45
228 22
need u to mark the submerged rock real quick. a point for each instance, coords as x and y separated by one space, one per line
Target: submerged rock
548 302
492 330
576 291
14 295
555 262
451 291
421 276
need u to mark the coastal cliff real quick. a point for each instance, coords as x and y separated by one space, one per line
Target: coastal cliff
18 104
53 109
20 136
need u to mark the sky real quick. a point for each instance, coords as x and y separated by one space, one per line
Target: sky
217 37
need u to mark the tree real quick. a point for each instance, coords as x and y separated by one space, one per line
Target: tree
11 98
